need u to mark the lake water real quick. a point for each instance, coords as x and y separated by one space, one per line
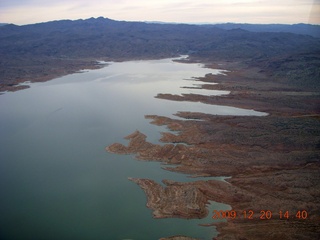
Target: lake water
56 179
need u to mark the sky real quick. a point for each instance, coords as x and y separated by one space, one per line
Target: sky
23 12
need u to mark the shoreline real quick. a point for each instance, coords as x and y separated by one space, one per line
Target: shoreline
47 69
273 160
45 72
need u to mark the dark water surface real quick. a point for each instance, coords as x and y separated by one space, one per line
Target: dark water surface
56 179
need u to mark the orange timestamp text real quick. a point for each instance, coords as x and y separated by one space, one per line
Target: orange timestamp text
262 215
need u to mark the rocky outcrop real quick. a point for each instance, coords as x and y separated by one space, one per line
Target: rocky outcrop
273 161
174 200
169 153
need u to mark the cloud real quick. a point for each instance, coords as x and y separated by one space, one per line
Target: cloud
251 11
314 16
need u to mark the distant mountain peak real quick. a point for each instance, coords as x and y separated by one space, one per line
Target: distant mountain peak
99 19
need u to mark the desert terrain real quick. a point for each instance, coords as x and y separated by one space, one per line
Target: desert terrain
272 161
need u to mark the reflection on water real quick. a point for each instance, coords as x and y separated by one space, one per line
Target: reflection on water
57 181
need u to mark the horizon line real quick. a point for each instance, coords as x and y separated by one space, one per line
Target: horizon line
161 22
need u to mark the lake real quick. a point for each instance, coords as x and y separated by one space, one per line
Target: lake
56 179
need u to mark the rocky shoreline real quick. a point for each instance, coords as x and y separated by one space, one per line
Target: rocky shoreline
41 70
273 161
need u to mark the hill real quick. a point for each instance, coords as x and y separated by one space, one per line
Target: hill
304 29
40 51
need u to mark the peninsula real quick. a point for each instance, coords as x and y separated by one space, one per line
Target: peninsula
273 160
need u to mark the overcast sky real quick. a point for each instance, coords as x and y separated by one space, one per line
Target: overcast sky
185 11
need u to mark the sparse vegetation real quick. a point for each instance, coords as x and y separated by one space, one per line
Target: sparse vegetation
42 51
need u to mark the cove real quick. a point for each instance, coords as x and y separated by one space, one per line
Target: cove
56 179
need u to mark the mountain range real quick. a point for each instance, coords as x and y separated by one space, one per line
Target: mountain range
30 51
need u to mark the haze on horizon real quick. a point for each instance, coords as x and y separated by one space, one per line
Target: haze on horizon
23 12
